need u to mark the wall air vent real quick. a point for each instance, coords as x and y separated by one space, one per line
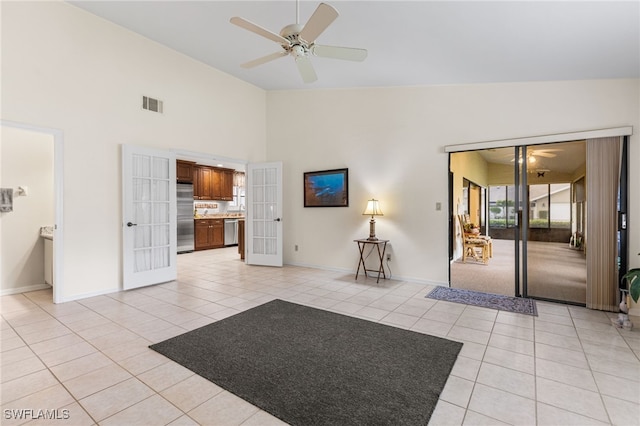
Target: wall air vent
152 104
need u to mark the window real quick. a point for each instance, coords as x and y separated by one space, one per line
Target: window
550 206
502 212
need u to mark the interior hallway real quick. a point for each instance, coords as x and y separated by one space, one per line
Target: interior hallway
91 357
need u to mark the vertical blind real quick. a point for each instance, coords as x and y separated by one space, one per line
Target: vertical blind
603 177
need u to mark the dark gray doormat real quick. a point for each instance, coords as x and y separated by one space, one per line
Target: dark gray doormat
307 366
486 300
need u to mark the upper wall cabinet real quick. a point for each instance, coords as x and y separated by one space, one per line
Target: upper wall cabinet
202 183
212 183
184 171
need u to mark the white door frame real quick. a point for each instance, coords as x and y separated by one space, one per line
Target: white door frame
58 188
539 140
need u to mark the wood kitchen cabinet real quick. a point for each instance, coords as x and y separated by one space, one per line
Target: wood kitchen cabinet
226 184
184 171
241 238
212 183
216 189
209 233
222 184
202 183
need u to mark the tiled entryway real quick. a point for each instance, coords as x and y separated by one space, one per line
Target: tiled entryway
89 360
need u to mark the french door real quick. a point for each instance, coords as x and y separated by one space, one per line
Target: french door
148 216
264 214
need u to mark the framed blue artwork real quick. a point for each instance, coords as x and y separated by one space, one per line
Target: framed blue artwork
326 188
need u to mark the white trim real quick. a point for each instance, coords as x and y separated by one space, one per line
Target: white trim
394 278
58 185
24 289
208 158
92 294
539 140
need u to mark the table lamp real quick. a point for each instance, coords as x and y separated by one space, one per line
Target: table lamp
372 209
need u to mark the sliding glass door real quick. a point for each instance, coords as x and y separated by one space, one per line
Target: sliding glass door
554 216
533 210
477 202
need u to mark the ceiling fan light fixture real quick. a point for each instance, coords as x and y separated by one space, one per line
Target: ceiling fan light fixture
298 51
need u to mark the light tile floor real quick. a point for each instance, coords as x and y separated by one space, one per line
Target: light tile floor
89 360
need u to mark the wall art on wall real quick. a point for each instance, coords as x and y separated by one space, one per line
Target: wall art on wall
326 188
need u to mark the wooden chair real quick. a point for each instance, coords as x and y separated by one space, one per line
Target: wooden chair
479 247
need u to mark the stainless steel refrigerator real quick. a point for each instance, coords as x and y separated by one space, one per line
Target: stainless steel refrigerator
185 217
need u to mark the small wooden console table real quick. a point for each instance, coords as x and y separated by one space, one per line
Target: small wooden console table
378 243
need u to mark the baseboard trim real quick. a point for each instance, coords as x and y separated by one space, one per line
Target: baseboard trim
351 271
24 289
87 295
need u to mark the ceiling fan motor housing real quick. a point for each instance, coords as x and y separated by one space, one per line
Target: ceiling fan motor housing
298 48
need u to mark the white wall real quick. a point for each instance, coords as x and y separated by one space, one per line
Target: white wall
66 69
63 68
392 141
26 160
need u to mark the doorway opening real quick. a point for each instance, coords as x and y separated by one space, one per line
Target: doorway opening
537 223
32 165
195 239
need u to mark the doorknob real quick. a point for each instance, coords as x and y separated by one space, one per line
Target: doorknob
129 224
277 219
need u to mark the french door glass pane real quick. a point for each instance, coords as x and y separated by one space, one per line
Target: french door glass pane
161 257
160 168
142 236
151 199
264 211
141 166
142 212
161 213
141 189
142 260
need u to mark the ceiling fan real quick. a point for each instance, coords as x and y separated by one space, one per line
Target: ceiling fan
532 154
300 41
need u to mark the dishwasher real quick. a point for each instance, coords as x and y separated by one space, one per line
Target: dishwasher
230 232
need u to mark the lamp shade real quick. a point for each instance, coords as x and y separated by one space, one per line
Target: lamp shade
373 209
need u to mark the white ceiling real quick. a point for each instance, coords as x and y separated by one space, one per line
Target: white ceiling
409 42
565 157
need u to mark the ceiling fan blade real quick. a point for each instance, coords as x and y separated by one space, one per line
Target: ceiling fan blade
264 59
306 69
319 21
347 53
250 26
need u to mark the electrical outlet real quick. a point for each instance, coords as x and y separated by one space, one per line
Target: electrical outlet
388 257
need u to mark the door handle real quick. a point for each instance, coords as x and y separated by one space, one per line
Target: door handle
277 219
129 224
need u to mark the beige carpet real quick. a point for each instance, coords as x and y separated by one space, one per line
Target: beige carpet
554 272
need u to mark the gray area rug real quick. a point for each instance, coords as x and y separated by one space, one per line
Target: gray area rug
307 366
486 300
